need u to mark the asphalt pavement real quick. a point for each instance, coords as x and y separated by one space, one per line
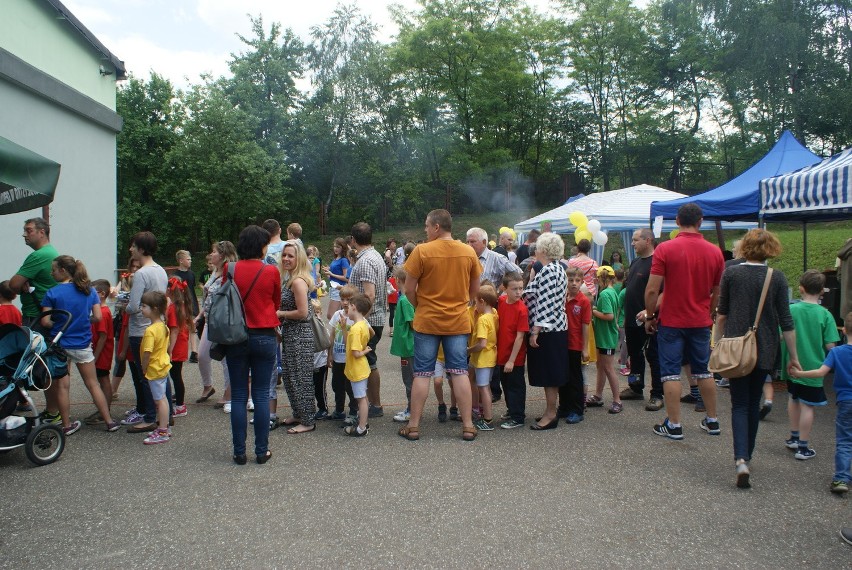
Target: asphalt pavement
603 493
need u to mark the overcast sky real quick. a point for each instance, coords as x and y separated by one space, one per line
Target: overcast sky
182 39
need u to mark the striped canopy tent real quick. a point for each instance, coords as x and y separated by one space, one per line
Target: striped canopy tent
819 192
621 211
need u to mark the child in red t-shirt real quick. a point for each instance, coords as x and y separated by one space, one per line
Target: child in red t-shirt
578 308
512 326
9 313
180 321
103 344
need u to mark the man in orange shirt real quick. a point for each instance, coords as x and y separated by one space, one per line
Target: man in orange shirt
443 275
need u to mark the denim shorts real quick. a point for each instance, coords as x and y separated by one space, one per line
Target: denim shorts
483 376
359 388
334 293
426 353
676 346
158 388
808 395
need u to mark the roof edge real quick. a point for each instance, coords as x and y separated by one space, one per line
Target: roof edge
120 69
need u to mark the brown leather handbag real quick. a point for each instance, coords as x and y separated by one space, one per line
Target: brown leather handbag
735 357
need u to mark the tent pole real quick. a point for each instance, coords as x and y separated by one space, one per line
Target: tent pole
719 235
804 246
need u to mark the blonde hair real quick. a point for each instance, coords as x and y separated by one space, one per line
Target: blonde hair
303 267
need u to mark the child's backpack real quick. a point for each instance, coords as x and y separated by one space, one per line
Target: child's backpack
226 319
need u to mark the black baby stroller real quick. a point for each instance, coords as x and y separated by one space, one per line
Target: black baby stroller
27 361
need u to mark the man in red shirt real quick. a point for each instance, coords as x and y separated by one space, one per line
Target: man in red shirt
692 270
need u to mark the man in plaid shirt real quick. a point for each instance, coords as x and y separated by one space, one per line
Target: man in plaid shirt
369 275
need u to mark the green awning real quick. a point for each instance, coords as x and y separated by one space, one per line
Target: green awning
27 180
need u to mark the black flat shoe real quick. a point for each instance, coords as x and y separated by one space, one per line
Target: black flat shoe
551 425
240 459
261 459
206 397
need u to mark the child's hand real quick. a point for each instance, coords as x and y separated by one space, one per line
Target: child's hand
508 367
585 357
368 349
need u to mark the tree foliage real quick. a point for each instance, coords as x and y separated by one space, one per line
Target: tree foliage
480 104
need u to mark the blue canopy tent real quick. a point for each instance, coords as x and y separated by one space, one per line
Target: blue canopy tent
739 198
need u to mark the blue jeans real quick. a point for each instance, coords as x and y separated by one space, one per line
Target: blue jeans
256 356
843 449
143 389
426 353
676 346
745 411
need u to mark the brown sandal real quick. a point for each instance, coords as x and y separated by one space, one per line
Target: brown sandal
411 433
469 433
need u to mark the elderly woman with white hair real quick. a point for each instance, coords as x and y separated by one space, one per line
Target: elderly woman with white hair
547 356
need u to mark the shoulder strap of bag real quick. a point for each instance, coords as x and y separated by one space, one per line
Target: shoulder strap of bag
762 297
253 282
230 273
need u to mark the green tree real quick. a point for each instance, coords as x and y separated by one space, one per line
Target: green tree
263 84
152 123
220 177
605 45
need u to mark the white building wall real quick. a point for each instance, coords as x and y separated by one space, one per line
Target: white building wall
83 213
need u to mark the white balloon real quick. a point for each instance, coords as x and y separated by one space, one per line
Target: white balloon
593 226
600 238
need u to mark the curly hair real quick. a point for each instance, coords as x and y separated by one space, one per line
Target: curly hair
760 245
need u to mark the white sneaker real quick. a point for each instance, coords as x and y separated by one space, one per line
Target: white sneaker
250 405
227 408
402 416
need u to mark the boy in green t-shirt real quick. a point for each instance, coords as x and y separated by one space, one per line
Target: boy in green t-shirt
402 343
816 334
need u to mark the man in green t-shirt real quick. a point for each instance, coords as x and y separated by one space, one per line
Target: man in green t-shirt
34 277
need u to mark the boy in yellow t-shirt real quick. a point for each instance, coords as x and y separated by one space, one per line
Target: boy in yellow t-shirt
155 361
483 351
357 368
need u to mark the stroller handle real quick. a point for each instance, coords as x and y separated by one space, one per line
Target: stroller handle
63 312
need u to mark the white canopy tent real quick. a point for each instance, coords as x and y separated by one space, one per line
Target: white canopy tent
623 211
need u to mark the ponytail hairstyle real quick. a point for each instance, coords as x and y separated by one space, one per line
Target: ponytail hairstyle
178 293
77 271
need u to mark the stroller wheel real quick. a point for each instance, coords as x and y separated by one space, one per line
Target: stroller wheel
45 444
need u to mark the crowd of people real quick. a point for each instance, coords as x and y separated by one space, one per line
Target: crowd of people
490 317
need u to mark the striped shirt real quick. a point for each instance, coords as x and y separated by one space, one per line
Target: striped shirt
495 266
370 267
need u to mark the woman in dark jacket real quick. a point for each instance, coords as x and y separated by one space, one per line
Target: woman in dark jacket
738 302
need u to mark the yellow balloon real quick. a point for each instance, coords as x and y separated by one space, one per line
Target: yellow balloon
673 234
508 230
581 234
578 219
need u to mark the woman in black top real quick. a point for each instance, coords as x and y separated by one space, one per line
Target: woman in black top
738 302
